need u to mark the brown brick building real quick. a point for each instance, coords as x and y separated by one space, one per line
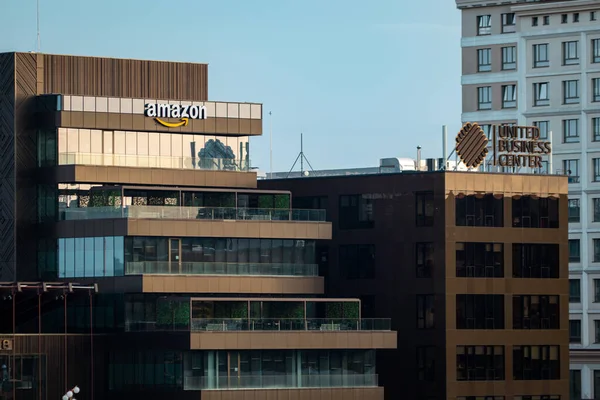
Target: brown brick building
471 267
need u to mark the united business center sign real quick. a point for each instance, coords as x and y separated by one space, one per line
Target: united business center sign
511 146
182 112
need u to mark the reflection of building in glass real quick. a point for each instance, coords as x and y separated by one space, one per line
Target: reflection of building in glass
175 273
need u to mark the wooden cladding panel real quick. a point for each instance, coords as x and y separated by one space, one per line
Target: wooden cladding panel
109 77
68 362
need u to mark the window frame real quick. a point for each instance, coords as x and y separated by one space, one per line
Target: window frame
509 58
484 29
538 100
570 52
538 61
484 55
509 96
570 130
571 91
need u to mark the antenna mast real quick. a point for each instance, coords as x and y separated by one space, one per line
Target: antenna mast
302 158
38 25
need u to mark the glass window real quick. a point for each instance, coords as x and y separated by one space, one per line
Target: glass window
484 25
536 362
480 363
79 257
508 22
425 260
425 209
574 210
596 384
509 96
596 205
596 331
595 89
570 130
536 312
529 212
88 256
484 98
540 55
575 384
119 263
509 58
479 260
356 212
596 129
540 91
596 165
543 127
571 92
574 331
109 256
425 311
596 243
484 60
596 50
479 311
574 291
574 251
538 261
571 168
534 21
570 53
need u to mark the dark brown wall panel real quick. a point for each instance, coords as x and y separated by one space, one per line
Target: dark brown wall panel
109 77
26 78
7 167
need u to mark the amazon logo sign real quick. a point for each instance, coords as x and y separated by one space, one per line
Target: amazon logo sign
183 113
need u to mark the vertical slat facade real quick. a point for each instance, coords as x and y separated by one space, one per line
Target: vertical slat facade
26 83
7 167
108 77
76 362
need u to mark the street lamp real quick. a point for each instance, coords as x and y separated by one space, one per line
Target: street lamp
69 394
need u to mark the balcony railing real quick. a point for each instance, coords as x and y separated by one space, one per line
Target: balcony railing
279 381
264 324
127 160
183 213
290 324
220 268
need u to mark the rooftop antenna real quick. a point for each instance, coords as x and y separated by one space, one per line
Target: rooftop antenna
270 145
302 158
38 25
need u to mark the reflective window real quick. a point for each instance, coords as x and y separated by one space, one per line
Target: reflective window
90 257
161 369
146 149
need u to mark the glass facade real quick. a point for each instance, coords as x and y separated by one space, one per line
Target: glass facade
143 149
118 256
219 250
90 257
197 370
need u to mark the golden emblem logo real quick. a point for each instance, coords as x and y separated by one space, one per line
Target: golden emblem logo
471 145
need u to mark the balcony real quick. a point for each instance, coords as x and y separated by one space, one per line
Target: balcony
220 268
190 213
290 324
168 162
279 381
266 325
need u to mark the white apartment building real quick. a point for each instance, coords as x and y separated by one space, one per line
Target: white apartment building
536 62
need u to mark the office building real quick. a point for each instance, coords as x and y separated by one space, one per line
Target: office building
471 267
161 270
538 63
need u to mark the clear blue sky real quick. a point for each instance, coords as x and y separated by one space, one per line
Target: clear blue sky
361 80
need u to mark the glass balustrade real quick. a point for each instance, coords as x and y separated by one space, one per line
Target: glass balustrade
220 268
310 380
266 324
143 161
205 213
